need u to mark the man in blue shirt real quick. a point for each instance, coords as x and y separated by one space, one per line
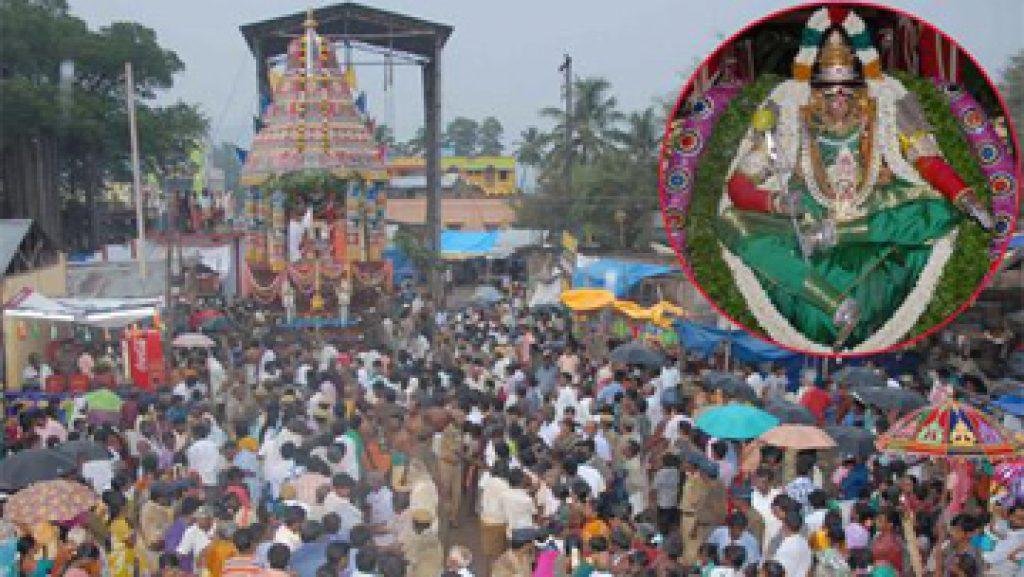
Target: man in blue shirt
734 532
312 553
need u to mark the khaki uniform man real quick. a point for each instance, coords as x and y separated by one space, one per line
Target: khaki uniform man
422 548
699 513
449 471
518 560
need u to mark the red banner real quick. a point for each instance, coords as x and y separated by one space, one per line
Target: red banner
145 358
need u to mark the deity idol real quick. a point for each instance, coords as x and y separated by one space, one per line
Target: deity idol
840 211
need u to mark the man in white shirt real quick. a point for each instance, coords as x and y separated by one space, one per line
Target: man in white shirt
794 553
328 354
593 478
288 533
197 537
517 503
1007 558
204 456
761 496
338 502
266 357
492 510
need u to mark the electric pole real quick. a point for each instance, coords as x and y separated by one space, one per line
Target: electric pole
140 210
566 70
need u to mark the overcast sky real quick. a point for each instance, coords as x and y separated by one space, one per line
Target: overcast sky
502 58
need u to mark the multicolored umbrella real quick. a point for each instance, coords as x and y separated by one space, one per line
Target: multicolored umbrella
735 421
799 437
57 500
953 429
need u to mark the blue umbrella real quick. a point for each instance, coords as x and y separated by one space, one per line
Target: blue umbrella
735 421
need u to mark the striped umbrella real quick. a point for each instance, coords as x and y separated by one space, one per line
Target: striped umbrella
953 430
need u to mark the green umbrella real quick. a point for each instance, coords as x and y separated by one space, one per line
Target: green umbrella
103 400
735 421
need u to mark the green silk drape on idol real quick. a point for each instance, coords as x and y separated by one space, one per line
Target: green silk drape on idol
877 259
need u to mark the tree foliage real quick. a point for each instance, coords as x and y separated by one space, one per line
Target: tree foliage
614 173
83 116
489 137
461 136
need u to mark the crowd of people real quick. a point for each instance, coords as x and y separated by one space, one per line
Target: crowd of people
491 441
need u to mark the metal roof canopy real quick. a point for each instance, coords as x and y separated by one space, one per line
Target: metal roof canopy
354 22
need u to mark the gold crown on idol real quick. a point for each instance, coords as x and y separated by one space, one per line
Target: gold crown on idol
836 63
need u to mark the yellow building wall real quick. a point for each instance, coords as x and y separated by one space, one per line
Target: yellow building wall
495 175
51 281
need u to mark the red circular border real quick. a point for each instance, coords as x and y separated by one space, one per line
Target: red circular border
688 88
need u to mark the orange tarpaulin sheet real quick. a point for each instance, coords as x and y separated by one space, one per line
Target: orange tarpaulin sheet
587 299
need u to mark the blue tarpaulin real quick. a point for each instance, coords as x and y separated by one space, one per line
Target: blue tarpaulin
703 340
616 275
1017 241
401 266
465 243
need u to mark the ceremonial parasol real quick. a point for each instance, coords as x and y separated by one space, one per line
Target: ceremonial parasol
890 398
57 500
26 467
637 353
852 440
799 437
735 421
791 413
193 341
952 429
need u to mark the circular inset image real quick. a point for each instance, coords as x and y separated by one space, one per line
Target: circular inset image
840 180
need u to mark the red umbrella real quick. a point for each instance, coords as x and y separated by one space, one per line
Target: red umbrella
952 429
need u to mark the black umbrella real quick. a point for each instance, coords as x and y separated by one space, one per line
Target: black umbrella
790 413
852 440
637 353
23 468
730 384
859 377
887 398
83 450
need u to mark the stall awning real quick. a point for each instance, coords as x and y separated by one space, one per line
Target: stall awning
107 313
461 244
615 275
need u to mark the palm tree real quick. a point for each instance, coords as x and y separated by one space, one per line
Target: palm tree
533 147
594 118
640 138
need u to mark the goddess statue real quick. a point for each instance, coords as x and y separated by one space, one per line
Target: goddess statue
840 211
